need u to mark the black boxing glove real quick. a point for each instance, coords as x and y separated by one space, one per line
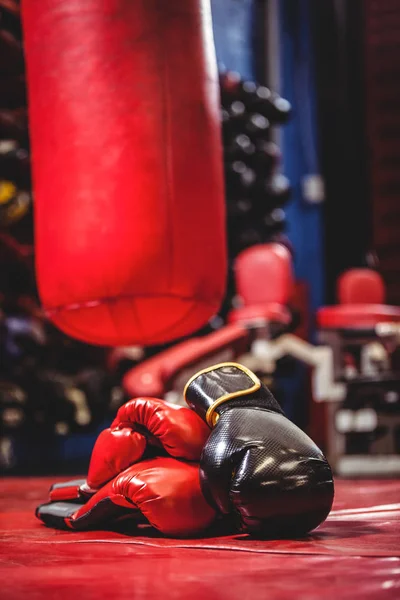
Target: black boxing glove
256 463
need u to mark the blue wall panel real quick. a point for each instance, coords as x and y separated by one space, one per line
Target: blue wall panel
299 145
233 32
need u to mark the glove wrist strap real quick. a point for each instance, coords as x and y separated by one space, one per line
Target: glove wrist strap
211 404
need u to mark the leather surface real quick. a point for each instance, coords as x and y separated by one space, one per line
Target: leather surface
142 427
166 492
206 388
176 428
256 463
281 483
125 133
67 491
355 554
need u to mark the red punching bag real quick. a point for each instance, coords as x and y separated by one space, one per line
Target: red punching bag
127 168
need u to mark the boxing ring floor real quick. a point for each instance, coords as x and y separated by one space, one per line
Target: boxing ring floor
354 554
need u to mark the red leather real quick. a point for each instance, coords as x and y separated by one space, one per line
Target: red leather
125 133
264 283
65 493
114 450
140 422
154 377
166 491
354 555
264 275
249 315
361 286
356 316
181 433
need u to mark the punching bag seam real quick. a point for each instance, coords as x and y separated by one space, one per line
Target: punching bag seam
181 319
74 331
97 302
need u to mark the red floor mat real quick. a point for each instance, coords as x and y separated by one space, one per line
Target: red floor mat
355 554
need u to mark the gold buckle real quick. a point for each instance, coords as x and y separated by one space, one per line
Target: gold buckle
211 416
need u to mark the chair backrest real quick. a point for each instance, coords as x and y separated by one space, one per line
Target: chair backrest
361 286
264 274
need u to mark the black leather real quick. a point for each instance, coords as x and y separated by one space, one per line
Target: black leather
256 462
207 387
105 512
55 514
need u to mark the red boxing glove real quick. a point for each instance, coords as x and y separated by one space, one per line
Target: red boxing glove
162 491
139 423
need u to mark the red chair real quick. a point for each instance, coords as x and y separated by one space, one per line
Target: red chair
264 282
361 286
361 332
361 295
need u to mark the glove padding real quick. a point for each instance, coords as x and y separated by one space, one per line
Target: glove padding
256 462
162 491
140 424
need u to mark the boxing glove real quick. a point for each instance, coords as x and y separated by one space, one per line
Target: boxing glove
140 424
162 491
256 463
